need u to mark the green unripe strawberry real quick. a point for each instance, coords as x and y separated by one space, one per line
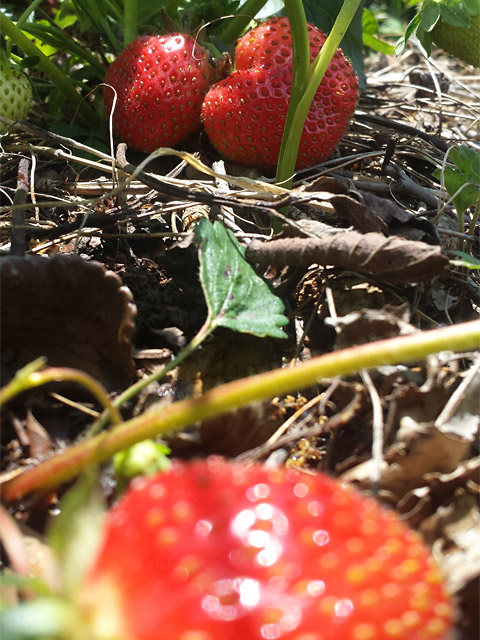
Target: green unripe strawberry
461 42
15 94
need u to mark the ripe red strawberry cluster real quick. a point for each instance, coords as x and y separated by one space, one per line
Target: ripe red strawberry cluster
218 551
159 84
244 115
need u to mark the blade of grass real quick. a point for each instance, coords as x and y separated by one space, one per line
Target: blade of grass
301 105
301 64
130 21
234 28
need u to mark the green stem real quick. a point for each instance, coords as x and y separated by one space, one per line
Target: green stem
28 12
130 21
171 8
301 64
234 28
292 134
49 68
473 223
239 393
142 384
31 376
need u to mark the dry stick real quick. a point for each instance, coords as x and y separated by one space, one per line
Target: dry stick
18 245
237 394
403 128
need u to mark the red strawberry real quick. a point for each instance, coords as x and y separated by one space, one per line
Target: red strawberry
244 115
270 44
160 83
219 551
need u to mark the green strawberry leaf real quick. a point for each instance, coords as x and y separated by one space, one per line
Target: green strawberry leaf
237 297
370 37
454 12
429 14
466 174
74 533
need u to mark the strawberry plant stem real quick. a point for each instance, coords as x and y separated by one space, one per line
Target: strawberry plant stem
237 394
301 63
130 21
32 376
473 223
171 8
300 104
234 28
28 12
142 384
54 72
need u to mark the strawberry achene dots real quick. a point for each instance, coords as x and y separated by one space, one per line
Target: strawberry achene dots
160 82
218 551
244 115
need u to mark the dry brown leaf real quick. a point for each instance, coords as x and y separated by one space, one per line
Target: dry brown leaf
394 259
75 313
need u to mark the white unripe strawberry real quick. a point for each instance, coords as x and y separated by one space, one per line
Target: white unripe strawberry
15 94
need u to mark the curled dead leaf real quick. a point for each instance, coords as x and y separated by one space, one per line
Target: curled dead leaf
394 259
75 313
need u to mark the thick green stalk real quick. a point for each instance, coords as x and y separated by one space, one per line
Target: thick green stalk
55 74
130 21
235 27
34 375
28 12
301 63
476 214
236 394
301 105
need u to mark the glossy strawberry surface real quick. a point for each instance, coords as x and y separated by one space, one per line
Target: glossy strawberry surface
270 45
217 551
160 82
244 115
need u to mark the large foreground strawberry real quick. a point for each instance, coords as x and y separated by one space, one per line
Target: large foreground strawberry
244 115
218 551
160 82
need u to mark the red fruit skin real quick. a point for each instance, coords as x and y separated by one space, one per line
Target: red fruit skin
244 115
218 551
270 44
160 83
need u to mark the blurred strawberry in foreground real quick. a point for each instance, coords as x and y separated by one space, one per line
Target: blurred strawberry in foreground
244 115
160 82
15 94
217 551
